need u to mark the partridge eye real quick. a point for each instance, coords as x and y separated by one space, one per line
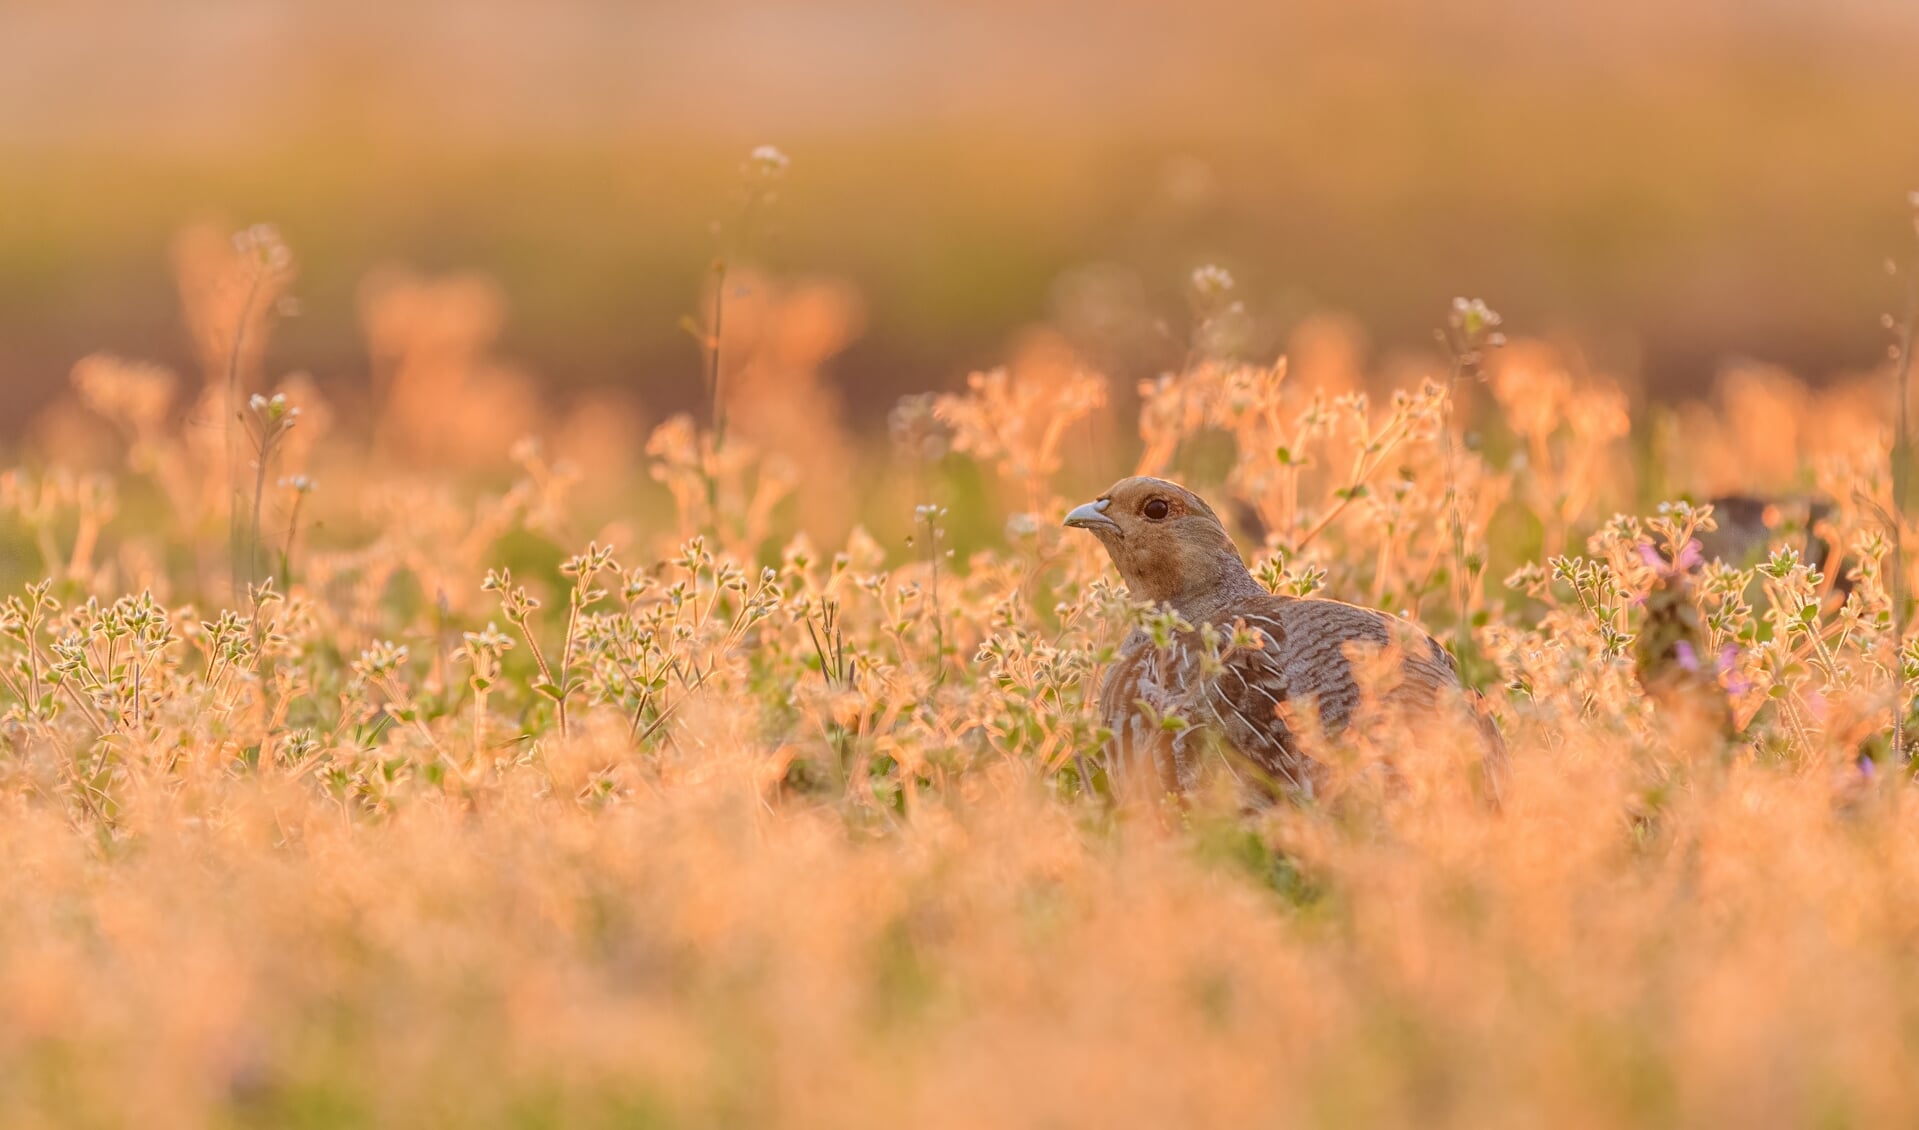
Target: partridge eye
1156 509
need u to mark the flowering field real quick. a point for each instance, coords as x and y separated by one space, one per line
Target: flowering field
370 763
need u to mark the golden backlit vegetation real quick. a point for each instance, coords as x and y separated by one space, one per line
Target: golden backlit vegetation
466 762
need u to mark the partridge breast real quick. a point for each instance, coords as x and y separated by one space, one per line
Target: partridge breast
1303 660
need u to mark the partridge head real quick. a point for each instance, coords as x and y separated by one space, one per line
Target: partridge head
1168 544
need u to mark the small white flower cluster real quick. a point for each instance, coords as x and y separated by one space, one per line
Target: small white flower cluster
271 419
263 249
1212 283
767 162
1477 322
1472 331
274 408
932 517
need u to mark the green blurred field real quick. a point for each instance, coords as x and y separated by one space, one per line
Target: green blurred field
1670 185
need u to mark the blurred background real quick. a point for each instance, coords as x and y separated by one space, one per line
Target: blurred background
1669 185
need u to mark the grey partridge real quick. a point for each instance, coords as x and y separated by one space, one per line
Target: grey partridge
1264 651
1746 525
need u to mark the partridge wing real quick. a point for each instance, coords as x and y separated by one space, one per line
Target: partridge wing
1244 699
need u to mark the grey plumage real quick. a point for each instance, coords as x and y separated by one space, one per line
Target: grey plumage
1184 560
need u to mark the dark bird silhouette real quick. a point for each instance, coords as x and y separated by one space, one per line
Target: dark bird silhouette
1265 651
1747 526
1670 656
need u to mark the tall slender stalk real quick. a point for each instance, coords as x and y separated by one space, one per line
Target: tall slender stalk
1455 522
1901 473
265 258
1472 330
763 169
301 486
256 542
235 423
715 328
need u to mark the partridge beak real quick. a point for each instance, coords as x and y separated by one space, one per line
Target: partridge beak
1092 516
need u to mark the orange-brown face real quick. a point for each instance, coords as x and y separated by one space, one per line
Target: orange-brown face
1166 542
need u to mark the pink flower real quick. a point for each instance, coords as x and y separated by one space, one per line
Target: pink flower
1736 684
1690 558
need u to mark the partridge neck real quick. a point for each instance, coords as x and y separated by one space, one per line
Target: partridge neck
1210 596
